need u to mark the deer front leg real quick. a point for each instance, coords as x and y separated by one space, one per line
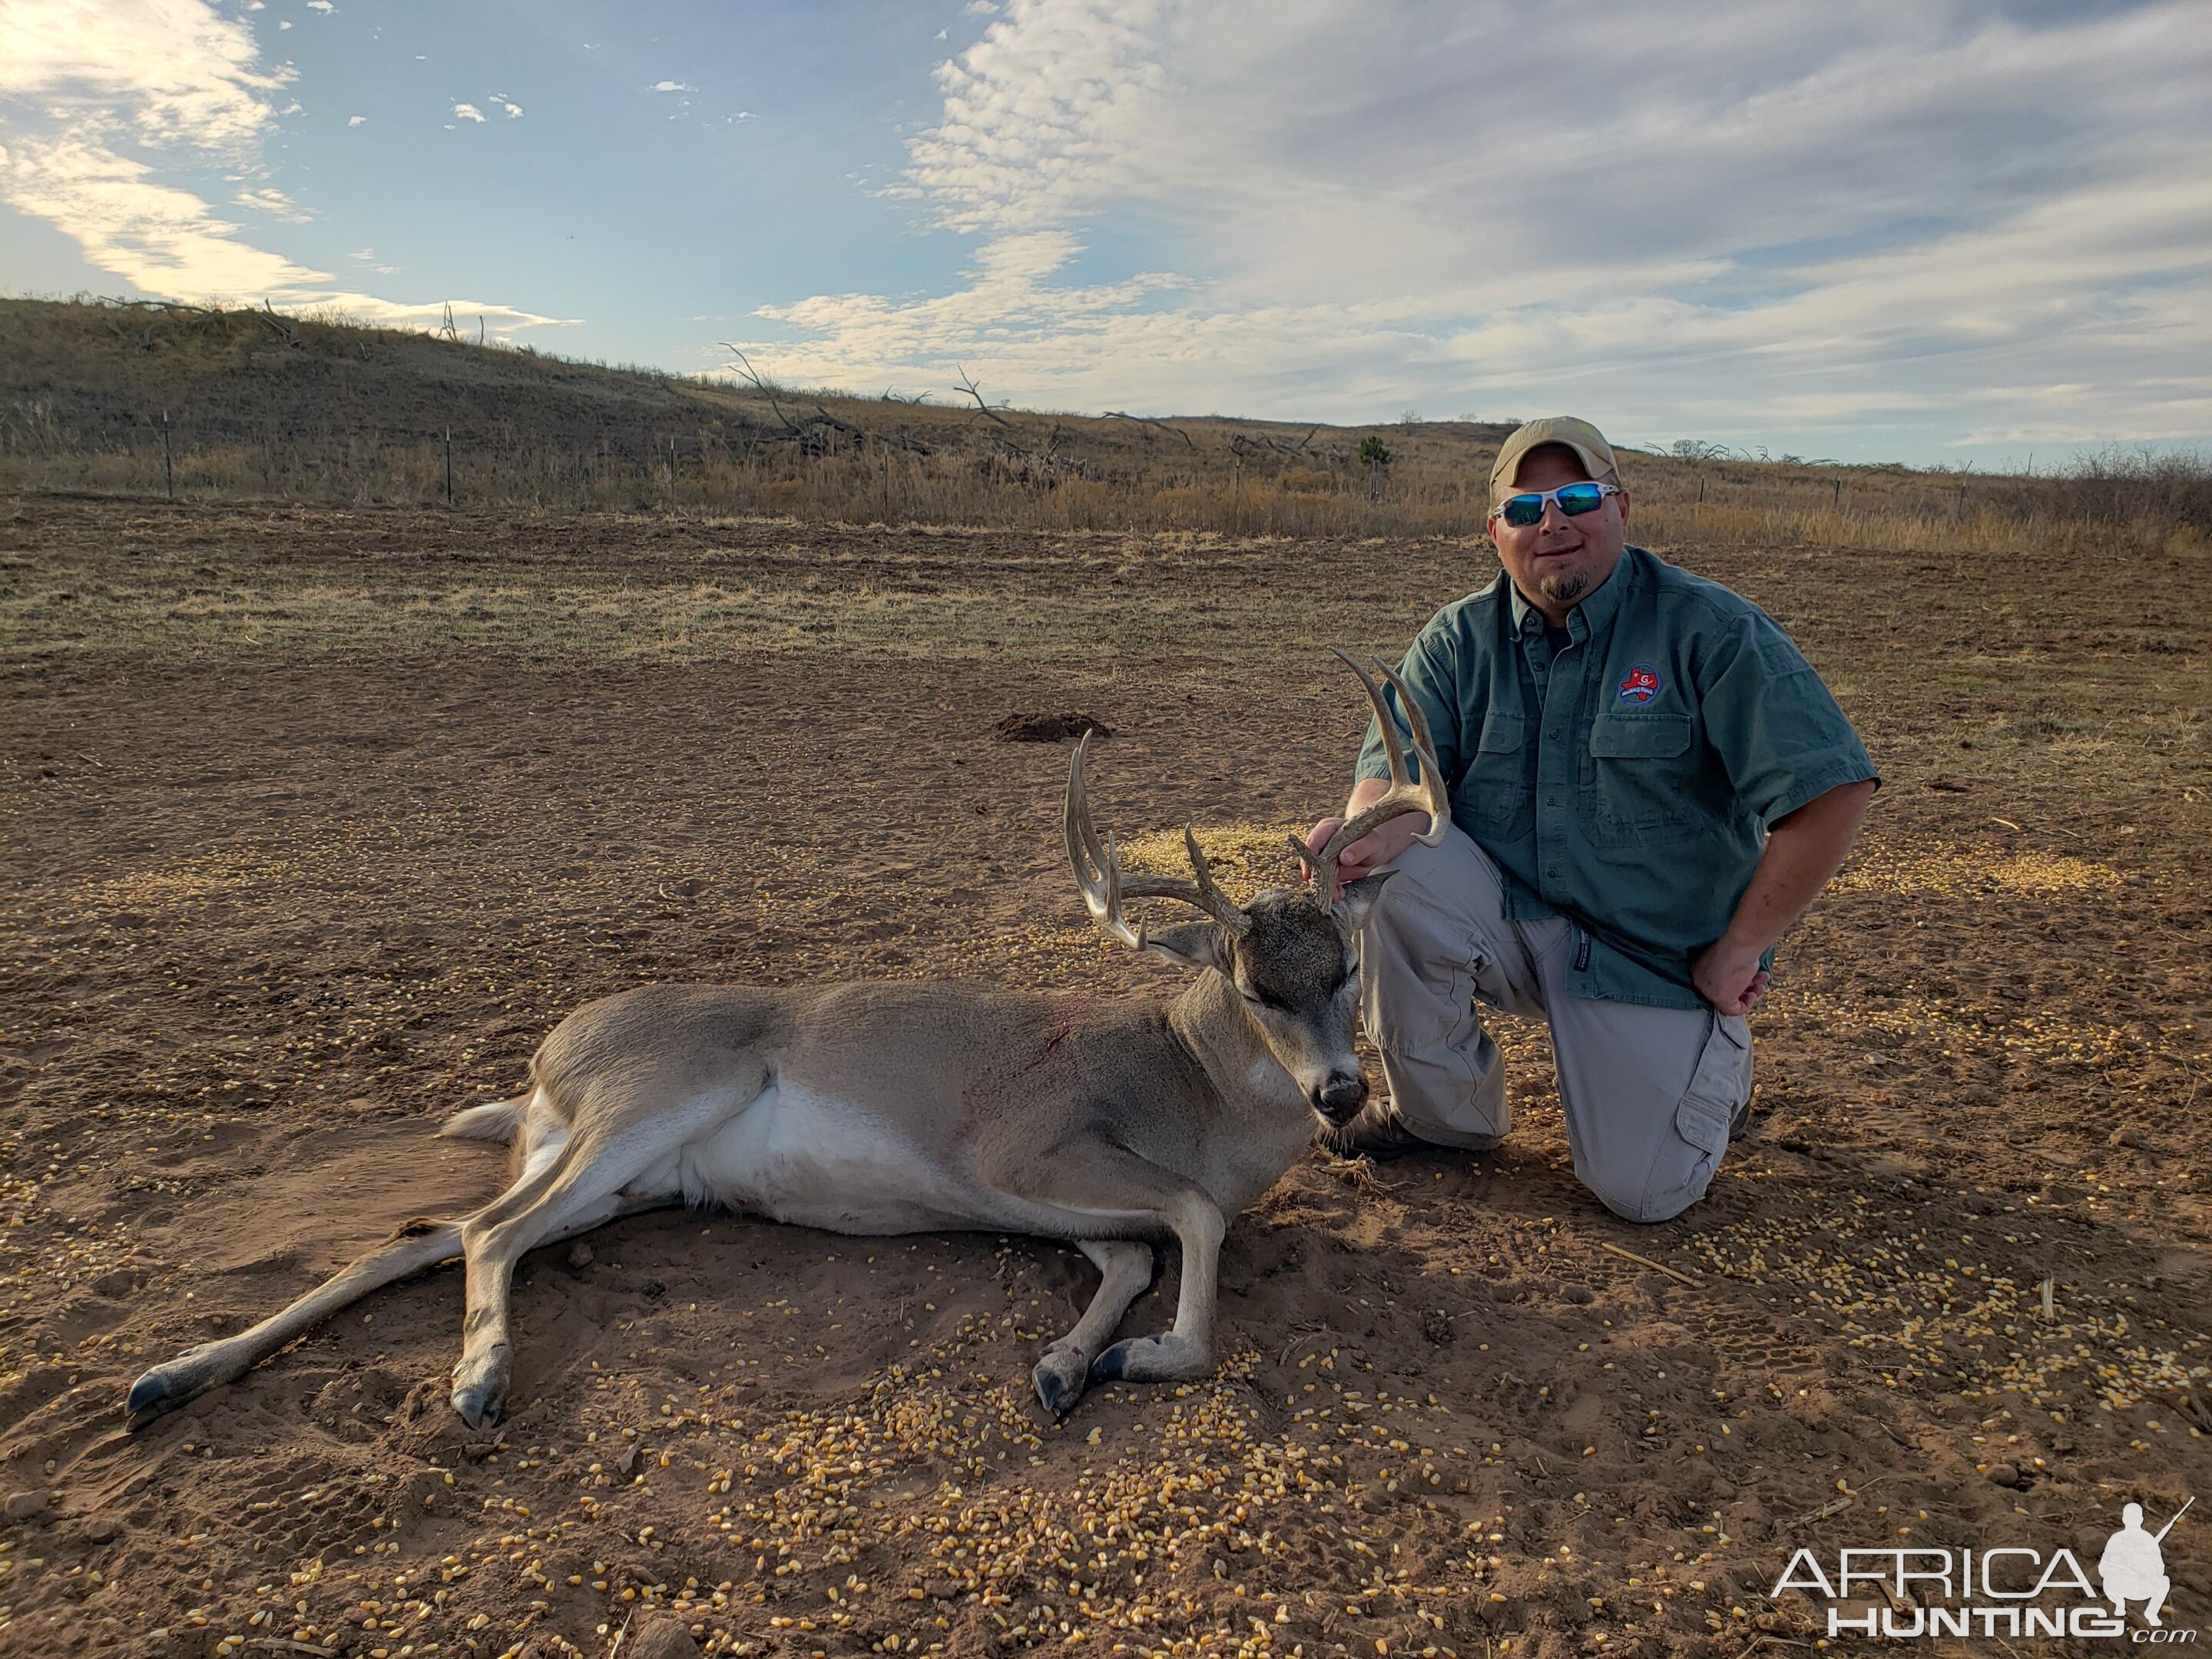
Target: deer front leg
1103 1194
1125 1267
1186 1349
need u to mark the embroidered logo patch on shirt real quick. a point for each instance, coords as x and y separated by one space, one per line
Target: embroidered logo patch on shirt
1641 684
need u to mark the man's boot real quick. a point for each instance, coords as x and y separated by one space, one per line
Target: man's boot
1379 1133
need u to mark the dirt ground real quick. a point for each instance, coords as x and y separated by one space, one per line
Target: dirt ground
316 821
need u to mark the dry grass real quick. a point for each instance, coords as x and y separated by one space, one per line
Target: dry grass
266 408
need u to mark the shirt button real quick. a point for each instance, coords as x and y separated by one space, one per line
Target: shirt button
1550 800
1551 870
1552 736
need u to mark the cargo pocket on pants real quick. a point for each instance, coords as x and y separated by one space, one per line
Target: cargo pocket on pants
1718 1087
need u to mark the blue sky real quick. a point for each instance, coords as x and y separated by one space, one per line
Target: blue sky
1925 231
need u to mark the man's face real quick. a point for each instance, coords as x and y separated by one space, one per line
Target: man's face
1558 560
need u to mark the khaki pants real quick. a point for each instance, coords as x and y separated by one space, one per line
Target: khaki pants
1649 1093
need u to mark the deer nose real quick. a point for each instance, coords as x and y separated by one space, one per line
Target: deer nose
1342 1097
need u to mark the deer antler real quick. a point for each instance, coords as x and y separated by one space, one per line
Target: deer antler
1428 795
1099 877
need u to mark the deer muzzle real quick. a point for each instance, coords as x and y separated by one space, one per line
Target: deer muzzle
1339 1096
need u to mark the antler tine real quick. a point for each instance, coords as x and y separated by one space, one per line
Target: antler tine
1405 794
1210 898
1201 893
1099 875
1392 753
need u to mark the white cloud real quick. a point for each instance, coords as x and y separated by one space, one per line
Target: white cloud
467 112
183 72
502 322
274 202
96 95
159 239
671 86
322 6
1958 220
514 111
355 120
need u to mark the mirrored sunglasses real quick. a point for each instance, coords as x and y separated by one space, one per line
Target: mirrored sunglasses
1574 499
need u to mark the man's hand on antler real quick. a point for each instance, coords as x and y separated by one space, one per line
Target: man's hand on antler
1385 844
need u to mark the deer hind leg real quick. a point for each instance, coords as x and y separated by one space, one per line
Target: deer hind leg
415 1246
1125 1268
580 1185
569 1193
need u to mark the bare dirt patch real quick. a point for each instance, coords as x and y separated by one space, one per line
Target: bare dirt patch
280 890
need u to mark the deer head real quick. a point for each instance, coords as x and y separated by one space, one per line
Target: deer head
1289 955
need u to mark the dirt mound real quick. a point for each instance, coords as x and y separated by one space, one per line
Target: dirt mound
1047 728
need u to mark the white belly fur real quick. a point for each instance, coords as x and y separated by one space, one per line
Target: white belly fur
816 1161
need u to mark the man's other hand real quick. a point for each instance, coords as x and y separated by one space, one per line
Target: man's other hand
1728 976
1385 844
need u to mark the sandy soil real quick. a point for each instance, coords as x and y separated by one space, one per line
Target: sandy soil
268 917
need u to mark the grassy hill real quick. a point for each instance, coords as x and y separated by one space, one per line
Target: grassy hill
263 405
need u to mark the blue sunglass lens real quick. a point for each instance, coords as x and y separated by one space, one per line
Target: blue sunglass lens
1574 499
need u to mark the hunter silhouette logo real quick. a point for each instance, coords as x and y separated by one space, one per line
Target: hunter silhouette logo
2133 1566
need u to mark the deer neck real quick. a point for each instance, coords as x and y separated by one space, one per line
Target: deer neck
1209 1017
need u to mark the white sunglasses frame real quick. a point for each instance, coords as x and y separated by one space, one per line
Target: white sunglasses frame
1545 498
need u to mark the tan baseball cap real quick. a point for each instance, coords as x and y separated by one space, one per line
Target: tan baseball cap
1585 440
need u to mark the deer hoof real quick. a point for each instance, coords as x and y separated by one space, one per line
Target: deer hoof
480 1387
150 1397
1059 1379
1124 1359
1161 1359
479 1403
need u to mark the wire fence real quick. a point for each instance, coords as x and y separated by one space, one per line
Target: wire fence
837 471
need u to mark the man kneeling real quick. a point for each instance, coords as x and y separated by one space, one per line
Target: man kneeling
1650 784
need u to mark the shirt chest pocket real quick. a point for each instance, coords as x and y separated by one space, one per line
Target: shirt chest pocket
1638 778
1495 791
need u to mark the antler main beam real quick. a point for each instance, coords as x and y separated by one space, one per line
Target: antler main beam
1406 794
1100 878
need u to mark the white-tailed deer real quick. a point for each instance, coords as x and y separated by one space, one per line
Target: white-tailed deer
916 1107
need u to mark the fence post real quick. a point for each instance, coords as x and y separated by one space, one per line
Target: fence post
1837 504
449 466
672 475
168 464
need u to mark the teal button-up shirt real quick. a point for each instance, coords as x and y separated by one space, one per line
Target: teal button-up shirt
1625 778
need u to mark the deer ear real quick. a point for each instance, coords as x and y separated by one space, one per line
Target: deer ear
1193 943
1358 901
